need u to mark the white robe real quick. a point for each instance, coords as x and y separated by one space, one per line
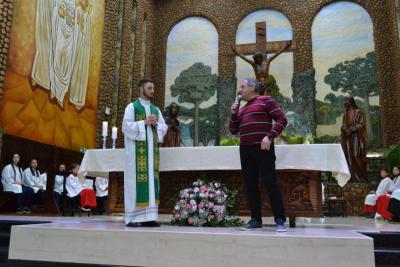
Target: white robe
383 188
63 49
73 186
59 184
80 73
135 130
42 63
9 179
101 187
31 180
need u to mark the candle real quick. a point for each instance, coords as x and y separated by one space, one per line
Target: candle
105 128
114 133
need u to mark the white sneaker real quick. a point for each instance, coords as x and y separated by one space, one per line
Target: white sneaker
84 209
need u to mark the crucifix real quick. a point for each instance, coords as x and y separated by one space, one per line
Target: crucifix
260 51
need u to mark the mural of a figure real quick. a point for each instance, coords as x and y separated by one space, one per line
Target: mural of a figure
63 49
80 74
41 65
173 136
354 141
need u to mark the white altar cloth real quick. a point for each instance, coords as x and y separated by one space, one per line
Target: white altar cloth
318 157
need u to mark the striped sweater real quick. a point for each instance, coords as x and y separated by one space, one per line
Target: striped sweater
254 121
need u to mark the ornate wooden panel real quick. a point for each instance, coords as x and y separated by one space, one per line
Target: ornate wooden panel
301 190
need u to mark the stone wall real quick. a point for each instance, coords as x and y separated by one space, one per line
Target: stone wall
227 14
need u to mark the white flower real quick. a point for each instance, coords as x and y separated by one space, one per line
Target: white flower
218 192
191 196
202 195
176 207
196 189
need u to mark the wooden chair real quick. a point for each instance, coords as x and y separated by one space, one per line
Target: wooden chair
334 200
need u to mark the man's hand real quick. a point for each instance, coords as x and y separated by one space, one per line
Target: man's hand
235 107
266 143
151 120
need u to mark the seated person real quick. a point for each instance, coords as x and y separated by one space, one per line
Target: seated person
396 179
12 180
370 203
101 192
394 206
59 184
75 188
36 181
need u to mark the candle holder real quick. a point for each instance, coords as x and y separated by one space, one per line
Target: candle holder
113 142
104 142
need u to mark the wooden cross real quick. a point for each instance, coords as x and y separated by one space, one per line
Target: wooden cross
261 44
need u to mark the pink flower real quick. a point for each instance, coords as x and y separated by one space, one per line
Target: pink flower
177 216
210 204
190 220
211 195
189 206
201 205
210 217
220 218
203 189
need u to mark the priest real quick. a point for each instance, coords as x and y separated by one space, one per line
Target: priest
144 128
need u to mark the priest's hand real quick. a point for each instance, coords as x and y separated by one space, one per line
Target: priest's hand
266 143
151 120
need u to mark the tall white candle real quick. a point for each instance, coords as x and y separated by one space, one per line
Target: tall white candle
105 128
114 132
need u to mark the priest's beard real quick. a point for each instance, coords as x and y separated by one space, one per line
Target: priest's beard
149 97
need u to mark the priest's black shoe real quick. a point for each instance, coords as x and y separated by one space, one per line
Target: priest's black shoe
150 224
134 224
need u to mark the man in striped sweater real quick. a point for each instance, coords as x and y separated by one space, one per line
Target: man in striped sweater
257 155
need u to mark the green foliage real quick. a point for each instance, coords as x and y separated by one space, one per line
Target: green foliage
195 84
392 156
295 139
327 139
274 91
234 141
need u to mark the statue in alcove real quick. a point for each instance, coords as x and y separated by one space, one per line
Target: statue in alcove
261 63
354 141
173 136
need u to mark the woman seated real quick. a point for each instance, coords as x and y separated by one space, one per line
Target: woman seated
74 187
35 180
374 200
12 179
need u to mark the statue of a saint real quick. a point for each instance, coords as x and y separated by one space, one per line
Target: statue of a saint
260 64
173 136
354 141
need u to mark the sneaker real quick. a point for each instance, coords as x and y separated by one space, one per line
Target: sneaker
133 224
251 225
84 209
26 210
280 226
20 210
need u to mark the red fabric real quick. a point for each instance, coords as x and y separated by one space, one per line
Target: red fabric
382 204
369 208
88 198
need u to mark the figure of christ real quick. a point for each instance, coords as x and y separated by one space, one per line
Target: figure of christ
261 63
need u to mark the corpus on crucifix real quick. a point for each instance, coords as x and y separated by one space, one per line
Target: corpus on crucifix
260 51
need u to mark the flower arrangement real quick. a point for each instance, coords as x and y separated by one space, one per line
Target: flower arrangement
205 204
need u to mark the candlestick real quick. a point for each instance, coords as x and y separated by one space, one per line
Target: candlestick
104 142
114 132
105 129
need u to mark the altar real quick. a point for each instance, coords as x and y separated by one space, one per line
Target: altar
298 169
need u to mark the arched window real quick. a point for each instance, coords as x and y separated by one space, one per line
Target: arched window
344 59
191 78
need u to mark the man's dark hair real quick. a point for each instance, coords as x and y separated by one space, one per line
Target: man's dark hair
142 82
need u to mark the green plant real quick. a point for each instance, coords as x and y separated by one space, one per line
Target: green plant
295 139
392 156
232 141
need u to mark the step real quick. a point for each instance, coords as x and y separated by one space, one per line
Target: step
385 240
387 257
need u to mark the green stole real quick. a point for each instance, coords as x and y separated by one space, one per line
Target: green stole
142 159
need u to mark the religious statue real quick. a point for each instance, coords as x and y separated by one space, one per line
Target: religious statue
261 63
173 136
354 141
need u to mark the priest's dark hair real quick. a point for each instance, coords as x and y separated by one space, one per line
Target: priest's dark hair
142 82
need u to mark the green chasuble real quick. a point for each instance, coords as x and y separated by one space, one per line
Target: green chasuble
142 159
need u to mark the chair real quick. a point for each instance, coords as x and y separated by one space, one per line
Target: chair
334 201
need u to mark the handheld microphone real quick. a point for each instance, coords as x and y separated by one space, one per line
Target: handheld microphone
238 99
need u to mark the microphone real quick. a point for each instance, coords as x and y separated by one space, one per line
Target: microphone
238 99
